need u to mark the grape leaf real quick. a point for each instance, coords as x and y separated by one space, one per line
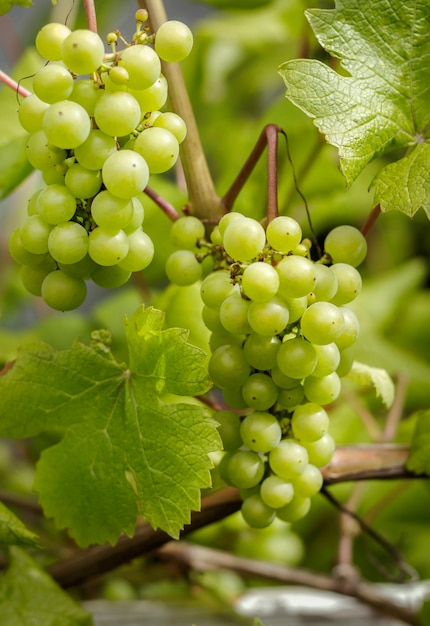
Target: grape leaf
6 5
419 456
124 450
13 531
365 375
383 103
29 596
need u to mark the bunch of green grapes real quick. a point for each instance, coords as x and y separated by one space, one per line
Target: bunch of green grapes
281 338
96 133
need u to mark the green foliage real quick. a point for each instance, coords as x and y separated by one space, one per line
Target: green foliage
13 531
382 103
376 377
124 450
419 458
6 5
28 595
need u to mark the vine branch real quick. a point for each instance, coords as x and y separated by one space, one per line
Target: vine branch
10 82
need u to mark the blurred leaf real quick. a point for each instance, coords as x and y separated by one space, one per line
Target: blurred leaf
13 531
364 375
6 5
419 457
234 4
15 167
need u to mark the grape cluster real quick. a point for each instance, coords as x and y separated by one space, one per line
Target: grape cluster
281 339
96 133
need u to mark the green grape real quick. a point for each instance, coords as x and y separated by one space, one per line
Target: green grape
260 392
244 239
245 469
233 398
216 287
260 431
106 246
349 283
186 231
53 83
86 93
173 41
142 64
256 513
117 113
288 459
32 276
81 182
140 252
34 233
346 361
346 244
322 322
224 338
54 174
31 112
260 282
83 51
290 398
283 233
260 351
326 282
322 389
152 98
68 242
159 147
296 307
125 173
63 292
66 124
182 268
223 467
268 318
95 150
110 211
229 429
350 330
56 204
174 123
49 40
80 269
309 482
309 422
282 380
110 277
40 154
19 253
228 366
296 276
233 315
328 357
226 219
276 492
320 451
296 358
297 509
211 320
119 75
137 217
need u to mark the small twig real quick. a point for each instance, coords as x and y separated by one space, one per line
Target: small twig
374 214
90 15
396 411
9 82
164 204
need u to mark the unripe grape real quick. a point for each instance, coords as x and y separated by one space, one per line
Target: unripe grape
216 287
142 64
53 83
260 392
256 513
152 98
68 242
34 234
346 244
173 41
174 123
86 93
295 510
348 283
233 315
283 233
322 390
228 366
350 329
245 469
49 40
296 276
309 482
56 204
290 398
83 51
288 459
40 154
182 268
326 282
309 422
260 282
186 231
107 247
140 252
226 219
110 211
229 429
125 173
260 431
322 323
117 113
31 112
66 124
320 451
110 277
261 351
159 147
268 318
276 492
296 358
95 150
244 239
62 291
81 182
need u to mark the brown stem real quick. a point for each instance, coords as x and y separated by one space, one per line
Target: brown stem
9 82
90 15
203 199
164 205
374 214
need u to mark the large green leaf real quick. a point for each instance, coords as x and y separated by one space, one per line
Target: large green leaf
125 451
382 103
29 597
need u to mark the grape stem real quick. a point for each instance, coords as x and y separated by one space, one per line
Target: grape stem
203 199
374 214
164 204
9 82
90 14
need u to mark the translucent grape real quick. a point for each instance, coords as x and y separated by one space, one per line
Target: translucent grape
216 287
53 83
49 40
34 233
81 182
350 331
226 219
326 282
95 150
296 307
106 246
182 268
117 113
321 451
309 422
296 276
348 283
211 320
137 217
86 93
276 492
79 269
228 366
260 351
260 431
328 359
66 124
229 429
173 41
283 233
83 51
296 358
244 239
309 482
186 231
256 512
142 64
110 277
322 389
19 253
110 211
56 204
260 282
31 112
159 147
152 98
268 318
233 315
68 242
259 391
297 509
322 323
245 469
174 123
40 154
140 252
62 291
125 173
346 244
288 459
290 398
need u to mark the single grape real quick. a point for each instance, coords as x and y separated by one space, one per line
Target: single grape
309 422
31 112
245 469
226 219
229 429
32 276
173 41
297 509
117 113
83 51
106 246
296 307
282 380
56 204
349 283
268 318
228 366
66 124
34 233
233 315
346 361
159 147
81 182
309 482
216 340
62 291
142 64
260 282
320 451
296 276
323 389
40 154
260 431
140 251
110 211
68 242
152 98
216 287
260 392
110 277
256 512
125 173
174 123
137 217
350 330
95 150
119 75
211 320
182 268
186 231
290 398
49 40
86 93
260 351
276 492
296 358
283 233
328 359
322 323
346 244
326 282
19 253
288 459
244 239
53 83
